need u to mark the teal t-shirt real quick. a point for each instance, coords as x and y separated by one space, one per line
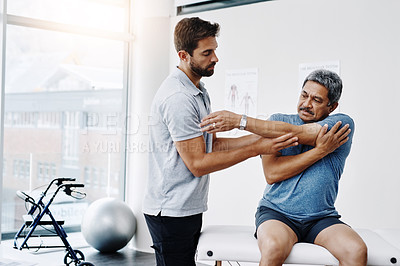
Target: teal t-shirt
312 193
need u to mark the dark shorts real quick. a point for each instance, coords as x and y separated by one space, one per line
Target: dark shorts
305 231
175 238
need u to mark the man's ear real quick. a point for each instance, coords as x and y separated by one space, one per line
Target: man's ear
333 107
183 55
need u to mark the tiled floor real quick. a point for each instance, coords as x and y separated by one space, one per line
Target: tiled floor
123 257
55 257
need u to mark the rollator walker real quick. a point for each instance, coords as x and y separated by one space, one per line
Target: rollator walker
44 217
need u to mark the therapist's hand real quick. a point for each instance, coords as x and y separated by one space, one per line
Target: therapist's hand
220 121
274 145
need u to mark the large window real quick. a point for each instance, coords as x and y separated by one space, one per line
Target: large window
65 102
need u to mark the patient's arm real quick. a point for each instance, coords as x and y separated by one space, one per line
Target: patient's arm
225 120
278 168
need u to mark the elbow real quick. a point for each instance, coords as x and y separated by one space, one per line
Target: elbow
197 166
271 178
198 173
197 170
270 181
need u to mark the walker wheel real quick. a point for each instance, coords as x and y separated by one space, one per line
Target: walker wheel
69 259
85 264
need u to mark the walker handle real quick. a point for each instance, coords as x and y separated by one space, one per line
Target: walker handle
74 185
64 179
68 187
25 196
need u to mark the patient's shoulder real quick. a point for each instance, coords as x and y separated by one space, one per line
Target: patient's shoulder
334 118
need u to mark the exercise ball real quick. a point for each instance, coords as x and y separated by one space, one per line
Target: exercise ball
108 224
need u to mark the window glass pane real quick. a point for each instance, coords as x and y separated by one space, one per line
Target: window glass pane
63 117
102 14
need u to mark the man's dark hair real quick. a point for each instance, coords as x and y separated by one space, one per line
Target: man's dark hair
329 80
189 31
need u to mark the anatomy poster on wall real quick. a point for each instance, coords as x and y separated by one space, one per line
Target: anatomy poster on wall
241 91
307 68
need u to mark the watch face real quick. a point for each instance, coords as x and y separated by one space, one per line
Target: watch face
243 122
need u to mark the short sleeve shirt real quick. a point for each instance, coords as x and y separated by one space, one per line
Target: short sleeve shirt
312 193
176 113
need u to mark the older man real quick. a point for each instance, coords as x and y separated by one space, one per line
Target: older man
302 181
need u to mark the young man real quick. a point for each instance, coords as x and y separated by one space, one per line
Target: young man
182 156
298 202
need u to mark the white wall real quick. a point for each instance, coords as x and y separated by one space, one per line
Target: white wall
2 52
150 63
276 37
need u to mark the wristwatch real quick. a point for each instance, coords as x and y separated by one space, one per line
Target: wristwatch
243 122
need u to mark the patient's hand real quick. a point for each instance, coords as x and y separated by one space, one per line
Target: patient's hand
329 141
220 121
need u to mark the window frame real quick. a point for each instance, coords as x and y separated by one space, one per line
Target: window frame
207 5
126 37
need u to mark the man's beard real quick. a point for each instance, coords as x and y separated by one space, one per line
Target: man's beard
202 72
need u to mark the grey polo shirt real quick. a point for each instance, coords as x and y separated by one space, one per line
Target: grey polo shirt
176 112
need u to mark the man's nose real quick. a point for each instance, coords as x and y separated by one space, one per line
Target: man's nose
307 103
214 58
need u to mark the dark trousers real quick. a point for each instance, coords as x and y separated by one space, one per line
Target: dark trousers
175 238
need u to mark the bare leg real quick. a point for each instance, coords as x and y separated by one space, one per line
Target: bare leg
344 243
275 241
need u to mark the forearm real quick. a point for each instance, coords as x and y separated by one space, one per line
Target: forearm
200 162
218 160
225 120
279 168
246 147
225 144
306 133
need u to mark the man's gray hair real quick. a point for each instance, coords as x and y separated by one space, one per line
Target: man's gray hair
329 80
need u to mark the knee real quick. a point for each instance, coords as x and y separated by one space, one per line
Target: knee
356 253
272 250
361 251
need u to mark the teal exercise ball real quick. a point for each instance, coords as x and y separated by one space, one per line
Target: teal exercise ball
108 225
